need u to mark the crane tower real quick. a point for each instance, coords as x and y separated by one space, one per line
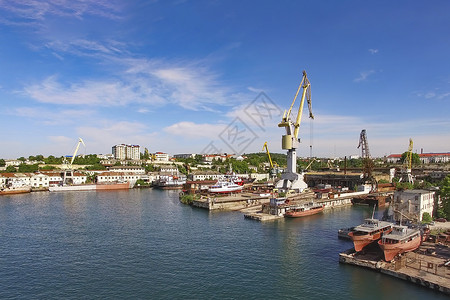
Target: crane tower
290 179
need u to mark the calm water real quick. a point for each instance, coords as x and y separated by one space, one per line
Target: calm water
144 244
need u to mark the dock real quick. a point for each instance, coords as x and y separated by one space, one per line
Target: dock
427 266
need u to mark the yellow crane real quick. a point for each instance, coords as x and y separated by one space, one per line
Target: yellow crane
290 141
268 154
409 162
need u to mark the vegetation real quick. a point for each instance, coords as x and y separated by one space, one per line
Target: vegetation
415 158
51 160
141 182
2 162
24 168
10 169
444 191
426 218
187 198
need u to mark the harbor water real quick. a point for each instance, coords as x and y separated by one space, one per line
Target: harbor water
145 244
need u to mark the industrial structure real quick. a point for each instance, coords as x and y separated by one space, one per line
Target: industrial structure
290 179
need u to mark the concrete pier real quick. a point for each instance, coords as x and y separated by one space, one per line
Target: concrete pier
427 266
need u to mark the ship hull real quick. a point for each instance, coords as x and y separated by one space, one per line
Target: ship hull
361 241
225 190
15 191
90 187
114 186
299 214
391 250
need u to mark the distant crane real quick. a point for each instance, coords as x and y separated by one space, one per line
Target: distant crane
272 164
367 160
68 166
291 180
408 161
268 154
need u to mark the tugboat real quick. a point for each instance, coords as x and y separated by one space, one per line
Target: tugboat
370 231
401 239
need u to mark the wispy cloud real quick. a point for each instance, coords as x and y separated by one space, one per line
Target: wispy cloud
30 12
195 130
373 51
364 75
51 117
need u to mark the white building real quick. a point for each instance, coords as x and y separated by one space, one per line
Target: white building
128 169
123 152
16 180
39 180
192 155
414 202
161 156
113 177
205 175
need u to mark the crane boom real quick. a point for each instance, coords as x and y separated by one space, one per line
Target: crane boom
292 129
268 154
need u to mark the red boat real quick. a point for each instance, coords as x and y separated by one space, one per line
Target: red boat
304 210
401 239
370 231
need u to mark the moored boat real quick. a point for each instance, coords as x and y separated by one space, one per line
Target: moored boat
368 232
307 209
90 187
401 239
225 186
15 190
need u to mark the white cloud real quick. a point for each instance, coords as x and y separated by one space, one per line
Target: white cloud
51 117
194 130
373 51
35 11
94 92
364 75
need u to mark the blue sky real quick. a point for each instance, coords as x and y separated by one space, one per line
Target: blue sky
179 76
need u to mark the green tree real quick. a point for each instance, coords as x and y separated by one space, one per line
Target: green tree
24 168
415 158
444 191
31 158
22 159
426 218
2 162
10 169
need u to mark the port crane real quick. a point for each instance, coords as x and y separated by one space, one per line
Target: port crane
409 162
272 163
290 179
68 166
367 160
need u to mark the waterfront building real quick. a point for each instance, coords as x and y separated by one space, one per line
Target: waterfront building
425 158
205 175
16 180
413 203
128 169
39 180
114 177
123 152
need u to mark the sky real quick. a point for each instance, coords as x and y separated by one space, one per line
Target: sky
216 76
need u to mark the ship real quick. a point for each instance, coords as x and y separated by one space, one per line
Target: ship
15 190
307 209
401 239
90 187
225 186
169 182
368 232
343 232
